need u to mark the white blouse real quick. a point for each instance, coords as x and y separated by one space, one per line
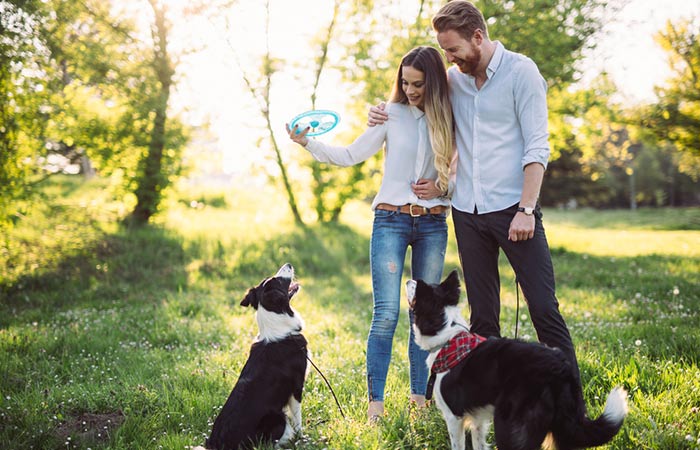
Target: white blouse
408 155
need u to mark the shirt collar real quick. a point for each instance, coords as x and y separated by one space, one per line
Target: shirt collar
417 113
496 59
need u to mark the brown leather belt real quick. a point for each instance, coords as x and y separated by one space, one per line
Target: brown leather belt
413 210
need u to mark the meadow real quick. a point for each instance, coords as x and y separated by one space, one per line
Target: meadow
118 338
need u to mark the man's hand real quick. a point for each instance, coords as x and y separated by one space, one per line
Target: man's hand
376 115
426 189
298 136
522 227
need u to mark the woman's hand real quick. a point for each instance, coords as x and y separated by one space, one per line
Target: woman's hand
298 136
426 189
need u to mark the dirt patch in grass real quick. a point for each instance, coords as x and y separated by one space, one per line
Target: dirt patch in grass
89 427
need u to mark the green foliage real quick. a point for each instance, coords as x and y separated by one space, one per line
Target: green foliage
76 81
23 102
676 116
371 55
117 338
553 33
602 157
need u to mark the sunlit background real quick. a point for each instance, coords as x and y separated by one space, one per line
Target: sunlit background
211 87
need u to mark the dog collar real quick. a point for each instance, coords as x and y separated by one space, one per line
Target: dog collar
455 350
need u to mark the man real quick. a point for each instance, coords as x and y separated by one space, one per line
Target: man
499 105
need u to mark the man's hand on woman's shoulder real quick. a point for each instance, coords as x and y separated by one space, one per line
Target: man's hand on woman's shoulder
377 115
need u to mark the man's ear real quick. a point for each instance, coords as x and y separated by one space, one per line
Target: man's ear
478 36
251 298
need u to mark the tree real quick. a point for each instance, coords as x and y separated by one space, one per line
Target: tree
676 116
153 179
80 81
553 33
372 37
332 186
22 95
260 89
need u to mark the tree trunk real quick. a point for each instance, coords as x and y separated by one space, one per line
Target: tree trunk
152 179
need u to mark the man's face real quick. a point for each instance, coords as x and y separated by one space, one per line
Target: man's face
463 53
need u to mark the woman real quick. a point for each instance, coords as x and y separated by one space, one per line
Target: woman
410 208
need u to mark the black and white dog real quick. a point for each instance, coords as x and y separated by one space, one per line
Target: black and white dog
265 404
528 389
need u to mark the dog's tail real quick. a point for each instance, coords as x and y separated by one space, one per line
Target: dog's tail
580 431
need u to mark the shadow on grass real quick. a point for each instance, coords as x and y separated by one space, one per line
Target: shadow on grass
143 264
656 298
326 258
131 265
657 275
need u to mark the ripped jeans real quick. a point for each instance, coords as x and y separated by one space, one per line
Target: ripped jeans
392 234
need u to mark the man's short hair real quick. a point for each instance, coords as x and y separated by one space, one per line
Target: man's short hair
461 16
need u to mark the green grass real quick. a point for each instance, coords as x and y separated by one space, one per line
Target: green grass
113 338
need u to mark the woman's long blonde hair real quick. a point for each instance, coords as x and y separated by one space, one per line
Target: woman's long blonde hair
438 110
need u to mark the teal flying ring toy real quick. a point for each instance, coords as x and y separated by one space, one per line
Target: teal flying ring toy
319 121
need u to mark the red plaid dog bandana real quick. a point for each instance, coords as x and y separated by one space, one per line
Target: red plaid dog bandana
455 351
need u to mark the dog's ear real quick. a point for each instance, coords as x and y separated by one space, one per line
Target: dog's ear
411 292
452 279
251 298
422 290
451 288
254 295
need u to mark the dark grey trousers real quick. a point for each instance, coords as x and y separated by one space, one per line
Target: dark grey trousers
479 237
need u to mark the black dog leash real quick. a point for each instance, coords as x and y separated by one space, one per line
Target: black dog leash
326 380
517 307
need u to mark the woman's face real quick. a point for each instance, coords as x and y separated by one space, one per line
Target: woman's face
413 85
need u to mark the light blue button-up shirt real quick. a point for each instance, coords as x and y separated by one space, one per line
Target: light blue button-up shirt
500 129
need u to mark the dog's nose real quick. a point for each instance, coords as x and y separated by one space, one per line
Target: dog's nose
286 271
410 290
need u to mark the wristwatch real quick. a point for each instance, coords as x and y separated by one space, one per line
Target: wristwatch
525 210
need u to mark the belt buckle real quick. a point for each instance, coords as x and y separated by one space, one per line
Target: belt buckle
410 209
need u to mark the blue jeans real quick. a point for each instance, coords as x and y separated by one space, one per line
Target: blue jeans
392 233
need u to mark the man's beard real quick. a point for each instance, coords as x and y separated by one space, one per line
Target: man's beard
470 65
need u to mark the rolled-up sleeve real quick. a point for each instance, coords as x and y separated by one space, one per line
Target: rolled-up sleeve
531 109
